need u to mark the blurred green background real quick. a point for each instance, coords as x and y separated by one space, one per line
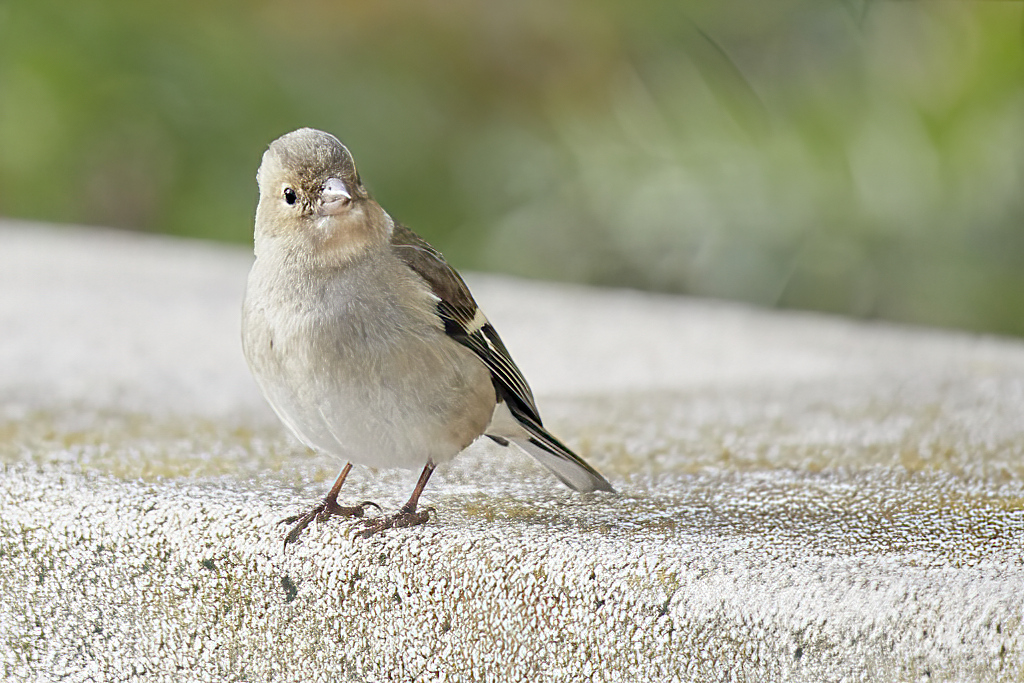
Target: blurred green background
864 158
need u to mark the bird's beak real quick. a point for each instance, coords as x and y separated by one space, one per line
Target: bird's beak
333 198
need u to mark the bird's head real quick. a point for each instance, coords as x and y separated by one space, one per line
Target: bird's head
311 197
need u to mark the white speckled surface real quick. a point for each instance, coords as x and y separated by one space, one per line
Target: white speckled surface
802 498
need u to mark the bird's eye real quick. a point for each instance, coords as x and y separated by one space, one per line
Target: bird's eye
289 195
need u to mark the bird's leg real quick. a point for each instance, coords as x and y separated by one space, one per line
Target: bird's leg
326 509
407 516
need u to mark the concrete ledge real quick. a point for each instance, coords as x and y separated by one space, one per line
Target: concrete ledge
803 498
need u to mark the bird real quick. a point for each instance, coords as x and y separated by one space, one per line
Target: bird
367 344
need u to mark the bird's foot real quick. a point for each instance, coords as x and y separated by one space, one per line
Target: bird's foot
321 512
400 519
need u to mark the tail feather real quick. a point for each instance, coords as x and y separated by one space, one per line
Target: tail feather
570 468
511 423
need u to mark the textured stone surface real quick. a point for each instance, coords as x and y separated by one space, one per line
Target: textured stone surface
801 498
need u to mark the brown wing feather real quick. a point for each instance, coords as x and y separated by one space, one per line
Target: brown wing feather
458 310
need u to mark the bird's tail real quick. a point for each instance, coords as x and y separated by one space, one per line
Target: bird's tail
512 422
563 463
570 468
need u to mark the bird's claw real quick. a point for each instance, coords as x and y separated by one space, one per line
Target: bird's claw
398 520
321 512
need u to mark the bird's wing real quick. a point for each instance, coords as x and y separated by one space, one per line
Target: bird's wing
463 320
465 323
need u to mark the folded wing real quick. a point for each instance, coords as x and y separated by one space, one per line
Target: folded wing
516 418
